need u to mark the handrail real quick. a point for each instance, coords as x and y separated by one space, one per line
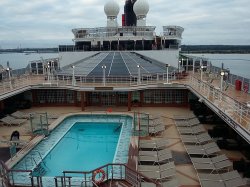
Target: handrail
138 174
232 111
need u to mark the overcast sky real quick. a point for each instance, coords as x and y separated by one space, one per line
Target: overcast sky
48 23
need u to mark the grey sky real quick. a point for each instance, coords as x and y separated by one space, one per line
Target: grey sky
41 23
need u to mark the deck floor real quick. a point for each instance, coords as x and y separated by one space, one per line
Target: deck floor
186 173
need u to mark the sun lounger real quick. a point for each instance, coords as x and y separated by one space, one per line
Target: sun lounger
156 129
153 144
155 159
155 122
192 130
162 167
155 153
172 182
196 139
213 166
187 123
8 120
229 179
160 175
215 159
204 150
184 117
20 115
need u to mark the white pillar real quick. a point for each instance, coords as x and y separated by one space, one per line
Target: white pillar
193 64
139 74
104 75
73 76
167 66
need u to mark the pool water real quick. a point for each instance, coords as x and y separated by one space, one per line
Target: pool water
85 146
75 144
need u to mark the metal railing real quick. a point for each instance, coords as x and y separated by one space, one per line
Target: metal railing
106 173
238 112
245 86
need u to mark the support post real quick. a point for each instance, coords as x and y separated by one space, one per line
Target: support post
129 100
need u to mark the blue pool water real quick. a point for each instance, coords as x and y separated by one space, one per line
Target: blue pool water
86 146
79 142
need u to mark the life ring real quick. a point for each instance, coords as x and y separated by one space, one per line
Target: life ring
101 179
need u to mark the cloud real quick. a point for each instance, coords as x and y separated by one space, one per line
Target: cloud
205 22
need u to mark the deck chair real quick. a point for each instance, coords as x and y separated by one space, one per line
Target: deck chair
184 117
192 130
181 123
155 159
20 115
155 153
162 167
228 179
203 150
196 139
225 164
215 159
232 179
173 182
8 120
156 129
153 144
160 175
193 121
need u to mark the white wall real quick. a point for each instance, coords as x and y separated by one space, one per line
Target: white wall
67 58
165 56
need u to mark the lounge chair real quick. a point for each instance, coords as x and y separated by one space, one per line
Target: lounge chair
160 175
162 167
20 115
172 182
213 166
192 130
204 150
156 129
215 159
228 179
8 120
153 144
196 139
155 159
184 117
155 153
154 122
187 123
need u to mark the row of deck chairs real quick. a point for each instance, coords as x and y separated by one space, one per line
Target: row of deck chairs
19 117
10 121
213 168
156 162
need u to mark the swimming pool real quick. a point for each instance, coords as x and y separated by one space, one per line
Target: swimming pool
80 142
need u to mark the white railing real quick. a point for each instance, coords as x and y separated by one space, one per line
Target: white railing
236 110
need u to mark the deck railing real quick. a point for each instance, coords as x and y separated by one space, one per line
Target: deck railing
107 173
238 113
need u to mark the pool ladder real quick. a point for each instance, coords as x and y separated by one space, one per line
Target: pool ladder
40 168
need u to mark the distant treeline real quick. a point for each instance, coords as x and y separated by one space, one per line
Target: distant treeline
184 49
215 48
26 50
